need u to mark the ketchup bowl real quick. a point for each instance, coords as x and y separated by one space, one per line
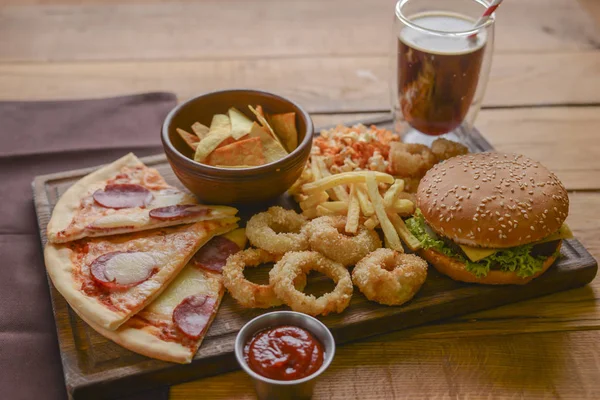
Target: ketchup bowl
302 388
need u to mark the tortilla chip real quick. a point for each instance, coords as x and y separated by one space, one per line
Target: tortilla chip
260 110
242 152
285 127
200 130
273 150
189 139
240 124
260 115
220 130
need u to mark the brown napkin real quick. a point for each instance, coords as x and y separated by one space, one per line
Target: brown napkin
40 138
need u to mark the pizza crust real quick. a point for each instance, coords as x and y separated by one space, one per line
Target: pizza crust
68 204
145 340
60 267
144 343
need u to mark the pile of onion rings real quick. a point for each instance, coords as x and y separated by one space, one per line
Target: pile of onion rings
325 236
277 230
389 277
297 264
297 246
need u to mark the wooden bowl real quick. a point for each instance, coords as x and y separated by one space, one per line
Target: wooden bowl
234 186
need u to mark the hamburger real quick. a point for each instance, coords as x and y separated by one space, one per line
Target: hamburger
490 218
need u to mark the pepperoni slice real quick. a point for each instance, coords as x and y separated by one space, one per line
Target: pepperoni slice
213 255
192 315
123 195
171 213
122 269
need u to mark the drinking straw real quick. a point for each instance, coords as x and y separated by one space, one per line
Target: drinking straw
486 15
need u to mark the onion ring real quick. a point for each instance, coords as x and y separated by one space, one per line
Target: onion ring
262 229
249 294
326 235
389 277
298 263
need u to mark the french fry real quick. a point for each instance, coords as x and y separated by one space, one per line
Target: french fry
392 193
363 199
337 193
346 178
321 211
372 222
310 213
403 207
338 207
314 200
353 211
314 168
411 241
389 230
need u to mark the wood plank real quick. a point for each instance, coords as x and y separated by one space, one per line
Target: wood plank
563 138
331 84
548 365
227 29
593 8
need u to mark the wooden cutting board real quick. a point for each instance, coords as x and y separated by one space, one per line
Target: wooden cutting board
95 367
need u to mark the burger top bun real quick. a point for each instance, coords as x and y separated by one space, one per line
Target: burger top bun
492 200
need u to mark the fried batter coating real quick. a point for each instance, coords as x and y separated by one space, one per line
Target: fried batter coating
327 236
410 160
295 264
246 293
277 230
444 149
389 277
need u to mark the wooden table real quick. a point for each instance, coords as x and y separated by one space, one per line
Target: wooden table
543 100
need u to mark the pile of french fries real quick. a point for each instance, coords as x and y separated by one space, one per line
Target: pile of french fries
357 195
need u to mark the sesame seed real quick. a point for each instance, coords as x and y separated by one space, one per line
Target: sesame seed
491 229
532 228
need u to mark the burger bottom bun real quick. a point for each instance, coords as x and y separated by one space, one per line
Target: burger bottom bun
458 271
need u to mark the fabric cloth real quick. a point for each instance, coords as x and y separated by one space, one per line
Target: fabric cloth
40 138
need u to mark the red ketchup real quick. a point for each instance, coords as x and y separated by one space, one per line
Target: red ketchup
284 353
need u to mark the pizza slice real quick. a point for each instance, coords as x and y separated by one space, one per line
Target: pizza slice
123 197
173 326
107 280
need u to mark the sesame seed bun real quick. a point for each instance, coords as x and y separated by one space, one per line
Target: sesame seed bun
458 271
492 200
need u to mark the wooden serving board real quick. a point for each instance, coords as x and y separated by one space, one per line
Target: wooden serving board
95 367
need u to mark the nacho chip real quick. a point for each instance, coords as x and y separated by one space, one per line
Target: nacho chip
273 151
260 110
240 124
285 127
220 130
242 152
260 115
189 139
200 130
